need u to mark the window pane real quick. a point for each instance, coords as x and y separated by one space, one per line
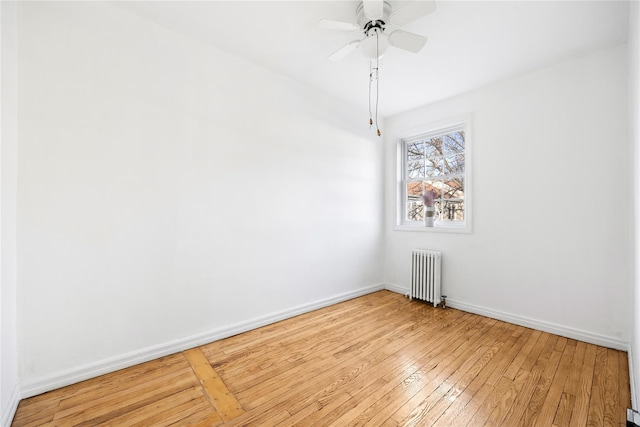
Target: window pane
414 191
415 160
454 164
453 143
450 210
415 211
453 189
415 149
433 166
415 169
433 147
434 186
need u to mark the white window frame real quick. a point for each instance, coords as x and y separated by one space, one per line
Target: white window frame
432 129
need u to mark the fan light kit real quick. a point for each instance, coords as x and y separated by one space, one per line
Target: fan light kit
373 46
371 20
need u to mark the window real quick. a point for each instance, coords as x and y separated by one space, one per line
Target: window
436 161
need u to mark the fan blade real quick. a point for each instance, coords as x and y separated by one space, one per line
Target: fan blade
329 24
373 9
412 11
407 41
344 50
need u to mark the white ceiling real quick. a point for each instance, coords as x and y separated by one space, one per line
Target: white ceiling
471 43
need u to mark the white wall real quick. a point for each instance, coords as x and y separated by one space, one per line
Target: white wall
9 392
634 117
550 245
170 193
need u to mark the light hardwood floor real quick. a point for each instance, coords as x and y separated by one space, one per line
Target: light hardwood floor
374 360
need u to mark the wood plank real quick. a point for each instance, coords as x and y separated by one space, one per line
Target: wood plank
516 365
396 370
516 413
514 350
167 410
335 339
257 418
348 377
333 319
545 366
554 396
583 395
203 418
508 399
625 389
125 400
423 377
310 378
221 398
611 390
526 409
466 389
420 408
565 408
572 386
596 403
42 408
492 402
115 387
317 410
534 354
476 402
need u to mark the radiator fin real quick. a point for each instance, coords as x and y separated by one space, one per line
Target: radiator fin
425 276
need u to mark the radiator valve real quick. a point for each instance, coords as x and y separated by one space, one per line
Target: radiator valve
443 301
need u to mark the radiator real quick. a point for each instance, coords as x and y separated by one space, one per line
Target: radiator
425 276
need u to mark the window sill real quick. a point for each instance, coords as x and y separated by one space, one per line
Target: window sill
460 229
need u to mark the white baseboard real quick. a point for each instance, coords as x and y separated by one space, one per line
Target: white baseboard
9 410
71 376
397 289
553 328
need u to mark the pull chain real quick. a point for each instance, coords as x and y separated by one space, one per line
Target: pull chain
377 85
370 80
374 74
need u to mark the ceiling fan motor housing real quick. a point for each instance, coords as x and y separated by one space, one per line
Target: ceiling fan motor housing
375 44
366 24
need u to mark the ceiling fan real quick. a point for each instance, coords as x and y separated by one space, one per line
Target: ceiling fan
373 17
